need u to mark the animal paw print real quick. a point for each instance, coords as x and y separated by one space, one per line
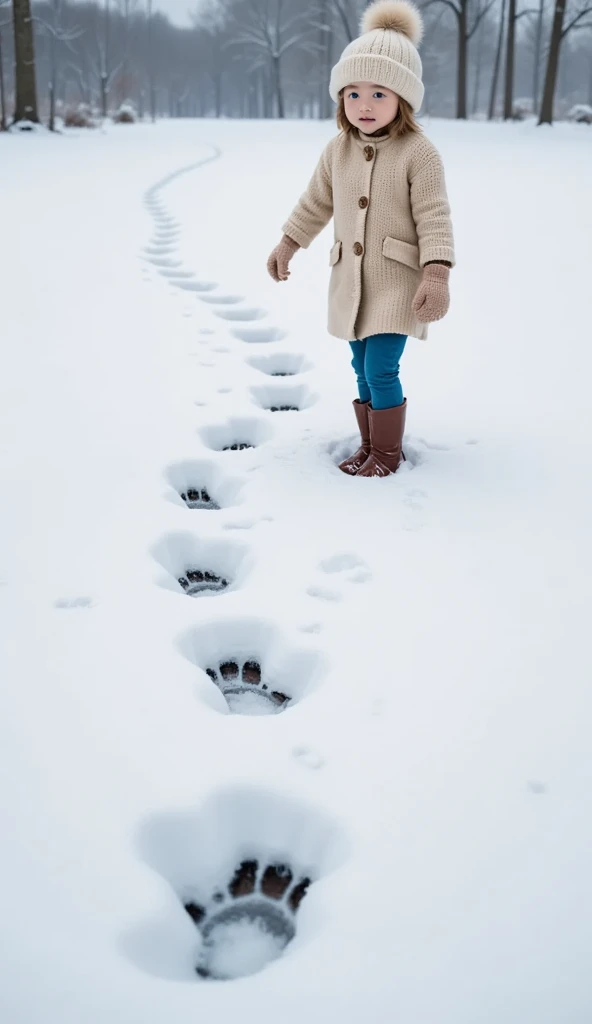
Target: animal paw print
72 602
352 568
198 581
194 498
347 566
250 923
245 689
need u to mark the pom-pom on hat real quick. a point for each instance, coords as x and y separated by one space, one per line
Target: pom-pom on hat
385 53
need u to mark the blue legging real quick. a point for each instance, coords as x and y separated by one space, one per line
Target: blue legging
376 365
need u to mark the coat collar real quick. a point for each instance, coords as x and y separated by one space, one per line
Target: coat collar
371 140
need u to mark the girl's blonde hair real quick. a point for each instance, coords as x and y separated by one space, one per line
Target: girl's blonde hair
403 124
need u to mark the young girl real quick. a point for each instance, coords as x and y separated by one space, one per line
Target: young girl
383 183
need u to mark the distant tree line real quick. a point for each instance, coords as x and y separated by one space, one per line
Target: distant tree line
272 58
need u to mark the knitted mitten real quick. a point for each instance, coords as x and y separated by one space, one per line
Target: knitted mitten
277 263
432 298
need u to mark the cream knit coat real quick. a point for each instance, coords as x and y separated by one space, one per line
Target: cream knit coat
388 199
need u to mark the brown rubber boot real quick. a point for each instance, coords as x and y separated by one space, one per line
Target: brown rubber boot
355 462
387 427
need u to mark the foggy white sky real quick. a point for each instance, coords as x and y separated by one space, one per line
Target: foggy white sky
177 10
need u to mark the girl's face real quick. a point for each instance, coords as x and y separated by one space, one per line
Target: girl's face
370 107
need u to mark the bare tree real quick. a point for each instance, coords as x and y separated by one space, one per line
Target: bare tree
269 30
513 17
510 53
558 33
3 118
105 70
347 18
537 55
151 83
466 31
478 65
497 62
126 10
58 34
3 113
325 39
24 61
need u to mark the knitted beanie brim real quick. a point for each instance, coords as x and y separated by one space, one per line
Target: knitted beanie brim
381 70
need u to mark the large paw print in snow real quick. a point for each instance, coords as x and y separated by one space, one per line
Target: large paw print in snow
259 335
283 398
246 690
197 567
222 300
236 435
239 868
202 486
189 284
72 602
282 364
342 568
202 581
244 314
247 926
251 666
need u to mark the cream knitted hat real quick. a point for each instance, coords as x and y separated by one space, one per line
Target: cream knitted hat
385 53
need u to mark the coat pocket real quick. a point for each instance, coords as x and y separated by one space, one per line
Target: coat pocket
335 254
402 252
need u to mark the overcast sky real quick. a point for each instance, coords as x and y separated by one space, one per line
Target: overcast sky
177 10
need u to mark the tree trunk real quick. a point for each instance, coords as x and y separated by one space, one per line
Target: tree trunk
461 93
105 68
24 60
52 106
497 63
552 64
3 118
151 89
538 44
478 68
52 81
325 62
510 50
267 97
218 94
104 95
277 86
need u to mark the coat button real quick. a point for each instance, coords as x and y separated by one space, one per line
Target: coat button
368 152
358 249
363 202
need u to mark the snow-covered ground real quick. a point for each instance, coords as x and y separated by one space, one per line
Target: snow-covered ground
430 773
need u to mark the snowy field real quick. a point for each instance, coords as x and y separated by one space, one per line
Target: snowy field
423 754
